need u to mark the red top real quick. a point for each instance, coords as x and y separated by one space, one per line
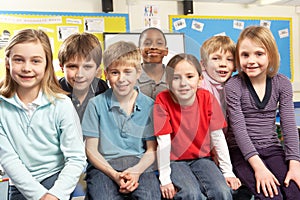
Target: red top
189 126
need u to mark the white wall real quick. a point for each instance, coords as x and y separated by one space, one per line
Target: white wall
167 7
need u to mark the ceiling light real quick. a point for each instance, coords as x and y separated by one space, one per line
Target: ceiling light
267 2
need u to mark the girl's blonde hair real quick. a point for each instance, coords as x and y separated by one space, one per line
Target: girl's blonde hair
263 37
49 83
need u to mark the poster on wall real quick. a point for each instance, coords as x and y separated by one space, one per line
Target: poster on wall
151 16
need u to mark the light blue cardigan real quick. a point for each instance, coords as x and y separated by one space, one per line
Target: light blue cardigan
32 149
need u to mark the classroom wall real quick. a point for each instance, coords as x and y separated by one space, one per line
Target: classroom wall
166 8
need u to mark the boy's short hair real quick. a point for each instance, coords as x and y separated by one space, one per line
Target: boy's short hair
149 29
214 43
82 45
122 53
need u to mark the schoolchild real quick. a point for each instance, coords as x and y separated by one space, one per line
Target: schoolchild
253 96
80 57
153 46
40 137
118 127
217 62
185 119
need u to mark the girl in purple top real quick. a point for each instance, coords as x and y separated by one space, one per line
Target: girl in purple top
252 97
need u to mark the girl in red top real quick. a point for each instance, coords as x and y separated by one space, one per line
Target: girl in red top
185 120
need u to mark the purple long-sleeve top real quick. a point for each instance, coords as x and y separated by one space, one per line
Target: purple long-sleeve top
252 122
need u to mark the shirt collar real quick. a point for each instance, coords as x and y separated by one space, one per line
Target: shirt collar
36 102
113 102
216 84
145 78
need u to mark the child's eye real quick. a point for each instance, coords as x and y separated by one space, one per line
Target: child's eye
147 43
17 60
114 73
36 61
260 53
128 71
215 58
160 43
176 78
245 55
71 66
230 59
87 66
190 76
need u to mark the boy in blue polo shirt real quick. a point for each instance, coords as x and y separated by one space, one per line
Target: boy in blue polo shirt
119 132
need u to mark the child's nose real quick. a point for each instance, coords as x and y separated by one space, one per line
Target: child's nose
79 72
183 81
26 67
122 77
153 46
223 63
251 59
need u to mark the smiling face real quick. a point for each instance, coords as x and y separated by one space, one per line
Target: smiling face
122 79
220 65
27 63
79 73
253 59
185 82
153 46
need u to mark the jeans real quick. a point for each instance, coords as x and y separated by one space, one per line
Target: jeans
274 159
15 194
199 179
100 186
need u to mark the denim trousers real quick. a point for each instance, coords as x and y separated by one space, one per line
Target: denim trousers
199 179
15 194
102 187
274 159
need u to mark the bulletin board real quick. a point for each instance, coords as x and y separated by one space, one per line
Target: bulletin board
199 28
58 26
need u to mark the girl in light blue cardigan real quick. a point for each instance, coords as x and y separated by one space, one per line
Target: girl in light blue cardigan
41 146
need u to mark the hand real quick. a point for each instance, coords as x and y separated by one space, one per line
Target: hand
266 181
129 182
168 191
293 173
48 196
233 182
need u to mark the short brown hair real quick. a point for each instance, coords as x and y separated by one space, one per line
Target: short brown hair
82 45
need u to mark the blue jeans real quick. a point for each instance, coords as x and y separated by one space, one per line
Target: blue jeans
100 186
15 194
199 179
